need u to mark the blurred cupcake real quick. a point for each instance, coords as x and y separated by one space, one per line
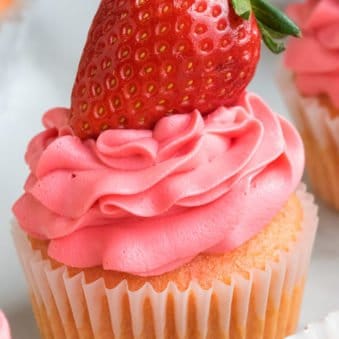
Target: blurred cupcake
327 329
310 84
5 5
4 327
9 9
11 24
145 218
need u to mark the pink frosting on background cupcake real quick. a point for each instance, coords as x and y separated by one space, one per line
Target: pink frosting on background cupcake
314 59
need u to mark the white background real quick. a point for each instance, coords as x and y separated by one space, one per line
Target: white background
37 69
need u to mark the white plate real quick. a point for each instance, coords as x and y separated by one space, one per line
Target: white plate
325 329
40 76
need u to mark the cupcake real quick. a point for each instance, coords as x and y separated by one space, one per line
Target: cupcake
166 201
9 9
4 327
310 84
326 329
11 24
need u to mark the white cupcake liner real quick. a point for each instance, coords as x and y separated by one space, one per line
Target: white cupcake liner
239 303
326 329
317 117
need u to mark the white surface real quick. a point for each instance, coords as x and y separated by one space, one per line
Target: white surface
326 329
42 68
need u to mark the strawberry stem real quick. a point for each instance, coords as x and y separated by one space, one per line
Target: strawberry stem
273 24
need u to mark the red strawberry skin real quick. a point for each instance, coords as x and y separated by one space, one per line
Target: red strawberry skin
145 59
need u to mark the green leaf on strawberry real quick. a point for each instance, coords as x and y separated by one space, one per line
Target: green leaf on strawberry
273 24
275 46
242 8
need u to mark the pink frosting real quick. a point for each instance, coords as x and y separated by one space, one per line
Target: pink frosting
314 59
4 327
146 202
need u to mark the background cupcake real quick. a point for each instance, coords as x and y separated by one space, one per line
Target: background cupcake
11 24
4 327
310 84
4 5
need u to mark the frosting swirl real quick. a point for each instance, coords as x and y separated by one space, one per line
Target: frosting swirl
146 202
314 59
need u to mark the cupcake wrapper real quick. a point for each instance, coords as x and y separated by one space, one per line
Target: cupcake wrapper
266 305
327 329
320 133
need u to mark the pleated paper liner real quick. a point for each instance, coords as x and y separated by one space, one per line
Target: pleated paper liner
266 305
326 329
318 124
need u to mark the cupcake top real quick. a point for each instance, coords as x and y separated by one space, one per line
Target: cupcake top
314 59
162 154
4 327
190 184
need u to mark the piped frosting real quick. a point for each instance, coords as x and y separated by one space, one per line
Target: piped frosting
146 202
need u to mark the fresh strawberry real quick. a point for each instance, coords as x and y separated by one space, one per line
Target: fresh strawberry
145 59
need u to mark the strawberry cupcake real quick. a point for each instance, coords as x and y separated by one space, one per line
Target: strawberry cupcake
166 201
310 84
